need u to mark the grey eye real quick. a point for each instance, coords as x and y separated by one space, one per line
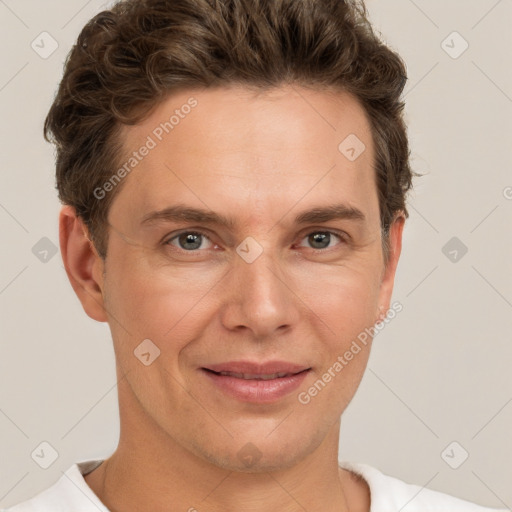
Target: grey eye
188 241
319 240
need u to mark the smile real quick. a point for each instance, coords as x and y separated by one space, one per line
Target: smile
256 387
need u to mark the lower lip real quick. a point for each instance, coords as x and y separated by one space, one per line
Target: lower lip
257 391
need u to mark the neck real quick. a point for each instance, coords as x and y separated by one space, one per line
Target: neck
151 471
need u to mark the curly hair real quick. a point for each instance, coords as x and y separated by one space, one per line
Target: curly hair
129 58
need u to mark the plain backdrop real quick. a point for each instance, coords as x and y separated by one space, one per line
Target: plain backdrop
438 387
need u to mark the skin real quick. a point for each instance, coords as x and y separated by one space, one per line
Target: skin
260 160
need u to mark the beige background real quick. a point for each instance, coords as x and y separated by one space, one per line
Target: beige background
440 372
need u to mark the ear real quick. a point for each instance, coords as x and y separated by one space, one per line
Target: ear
83 265
388 276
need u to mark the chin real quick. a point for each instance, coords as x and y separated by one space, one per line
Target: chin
262 454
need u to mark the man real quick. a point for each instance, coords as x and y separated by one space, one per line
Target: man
234 175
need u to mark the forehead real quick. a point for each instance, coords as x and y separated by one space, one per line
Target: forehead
240 118
237 144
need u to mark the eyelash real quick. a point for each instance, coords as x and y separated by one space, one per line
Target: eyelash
343 237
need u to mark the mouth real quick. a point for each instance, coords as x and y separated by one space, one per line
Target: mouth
257 369
255 376
256 382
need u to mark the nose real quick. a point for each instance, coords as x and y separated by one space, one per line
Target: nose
259 298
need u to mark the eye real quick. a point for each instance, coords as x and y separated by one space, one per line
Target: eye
321 239
189 241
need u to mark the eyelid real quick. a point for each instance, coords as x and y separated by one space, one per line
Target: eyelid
342 235
318 229
198 231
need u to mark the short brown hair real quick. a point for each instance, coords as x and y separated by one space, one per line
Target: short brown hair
129 58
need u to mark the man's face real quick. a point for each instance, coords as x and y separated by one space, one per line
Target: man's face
266 287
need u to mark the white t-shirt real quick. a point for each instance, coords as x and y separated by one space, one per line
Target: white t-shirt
72 494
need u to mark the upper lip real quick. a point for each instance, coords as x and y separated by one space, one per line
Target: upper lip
257 368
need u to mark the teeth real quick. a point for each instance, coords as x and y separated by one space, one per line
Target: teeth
254 376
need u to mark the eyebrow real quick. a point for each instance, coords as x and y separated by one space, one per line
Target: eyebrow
332 212
203 216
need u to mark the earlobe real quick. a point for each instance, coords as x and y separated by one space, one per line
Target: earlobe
83 265
381 314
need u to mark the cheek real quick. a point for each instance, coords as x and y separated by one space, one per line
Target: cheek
344 297
158 302
345 300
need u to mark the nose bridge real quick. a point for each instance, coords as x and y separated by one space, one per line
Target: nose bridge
263 274
259 298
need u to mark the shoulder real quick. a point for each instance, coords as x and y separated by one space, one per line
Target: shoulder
389 494
70 492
